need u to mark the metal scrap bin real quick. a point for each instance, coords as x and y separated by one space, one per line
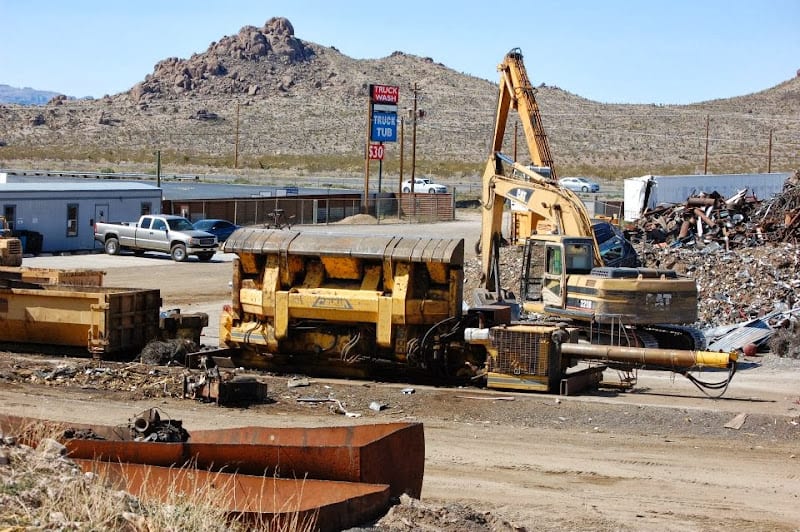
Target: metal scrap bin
72 277
106 321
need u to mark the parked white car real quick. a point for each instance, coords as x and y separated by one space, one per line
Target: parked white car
423 184
579 184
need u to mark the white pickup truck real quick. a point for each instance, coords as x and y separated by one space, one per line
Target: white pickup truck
159 232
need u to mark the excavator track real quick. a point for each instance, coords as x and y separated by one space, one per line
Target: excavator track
661 336
670 336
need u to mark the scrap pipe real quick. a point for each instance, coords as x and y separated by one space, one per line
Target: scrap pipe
675 358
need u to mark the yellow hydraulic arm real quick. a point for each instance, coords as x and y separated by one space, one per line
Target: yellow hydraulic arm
559 209
517 93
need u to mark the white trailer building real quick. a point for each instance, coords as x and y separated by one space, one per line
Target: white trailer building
646 192
64 213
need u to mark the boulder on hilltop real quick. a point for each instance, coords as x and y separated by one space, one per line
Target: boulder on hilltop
274 42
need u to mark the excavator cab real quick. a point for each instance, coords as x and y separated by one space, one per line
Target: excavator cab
548 261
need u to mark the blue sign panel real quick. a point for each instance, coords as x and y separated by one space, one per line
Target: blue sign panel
384 127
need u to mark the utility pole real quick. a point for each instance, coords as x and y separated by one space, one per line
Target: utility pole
158 168
705 162
236 141
769 154
402 138
415 114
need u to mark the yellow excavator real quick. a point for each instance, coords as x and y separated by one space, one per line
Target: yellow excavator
563 273
391 307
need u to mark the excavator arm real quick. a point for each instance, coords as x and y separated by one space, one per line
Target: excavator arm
553 209
517 93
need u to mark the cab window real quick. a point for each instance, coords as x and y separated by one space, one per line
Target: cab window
554 260
579 258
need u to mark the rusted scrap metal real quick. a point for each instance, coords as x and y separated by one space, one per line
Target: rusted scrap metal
391 453
148 426
266 503
357 458
224 388
741 220
382 453
756 331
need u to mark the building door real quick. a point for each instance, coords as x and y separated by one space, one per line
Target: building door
100 215
10 214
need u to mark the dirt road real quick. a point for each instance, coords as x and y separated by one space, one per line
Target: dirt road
658 458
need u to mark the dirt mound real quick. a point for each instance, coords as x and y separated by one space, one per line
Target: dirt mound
358 219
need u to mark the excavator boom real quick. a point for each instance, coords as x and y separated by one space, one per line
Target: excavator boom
516 92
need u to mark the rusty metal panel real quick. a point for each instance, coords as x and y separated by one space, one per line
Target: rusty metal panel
754 331
385 453
330 505
390 453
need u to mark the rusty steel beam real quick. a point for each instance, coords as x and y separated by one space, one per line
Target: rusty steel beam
386 453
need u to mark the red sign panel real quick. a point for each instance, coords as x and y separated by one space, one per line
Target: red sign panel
385 93
376 151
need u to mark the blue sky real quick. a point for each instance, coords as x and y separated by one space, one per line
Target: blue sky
648 51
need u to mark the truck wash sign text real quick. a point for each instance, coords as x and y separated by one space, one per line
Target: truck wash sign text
385 94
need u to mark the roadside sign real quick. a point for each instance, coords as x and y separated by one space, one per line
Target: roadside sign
383 108
384 127
384 93
376 151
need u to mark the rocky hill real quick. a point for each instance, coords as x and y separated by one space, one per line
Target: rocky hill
24 96
269 100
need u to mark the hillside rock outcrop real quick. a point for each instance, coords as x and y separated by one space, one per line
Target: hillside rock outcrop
220 68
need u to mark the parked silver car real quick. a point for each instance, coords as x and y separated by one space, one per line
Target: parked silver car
579 184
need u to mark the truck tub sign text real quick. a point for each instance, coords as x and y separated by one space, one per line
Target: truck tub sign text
384 127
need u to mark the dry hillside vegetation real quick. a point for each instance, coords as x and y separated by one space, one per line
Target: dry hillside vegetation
300 106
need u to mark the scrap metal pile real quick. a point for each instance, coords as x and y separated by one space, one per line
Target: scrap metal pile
743 253
708 219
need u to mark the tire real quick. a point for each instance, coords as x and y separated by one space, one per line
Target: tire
406 190
431 191
205 257
584 189
112 246
178 253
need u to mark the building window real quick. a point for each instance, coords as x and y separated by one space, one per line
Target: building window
72 219
10 214
147 208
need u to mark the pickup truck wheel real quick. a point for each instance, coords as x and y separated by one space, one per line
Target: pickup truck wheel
112 246
205 257
178 253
